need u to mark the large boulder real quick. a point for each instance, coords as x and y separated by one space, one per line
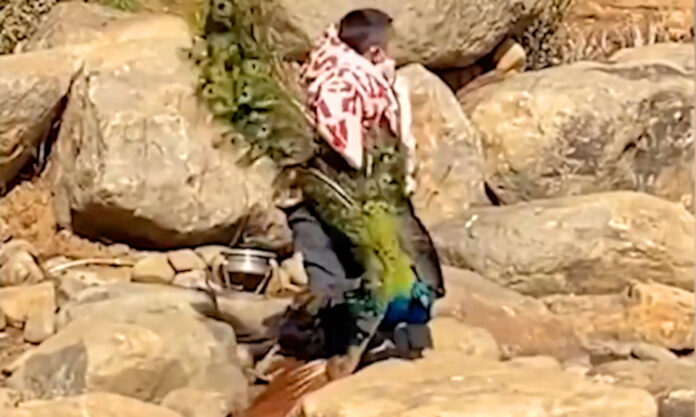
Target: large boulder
449 33
522 325
143 355
97 404
589 127
32 92
449 383
647 312
138 158
450 157
671 382
589 244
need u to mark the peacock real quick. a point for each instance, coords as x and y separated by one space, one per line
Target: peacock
247 85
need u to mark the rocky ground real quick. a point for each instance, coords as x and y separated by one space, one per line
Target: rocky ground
559 200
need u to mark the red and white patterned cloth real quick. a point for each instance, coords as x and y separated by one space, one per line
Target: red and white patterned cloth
350 94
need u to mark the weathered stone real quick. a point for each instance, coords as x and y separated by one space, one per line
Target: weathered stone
521 325
252 316
667 53
672 382
138 354
12 247
450 157
40 325
196 403
74 280
9 398
191 279
448 333
437 34
587 127
154 269
96 404
652 313
20 268
138 158
32 87
448 383
582 244
185 260
21 302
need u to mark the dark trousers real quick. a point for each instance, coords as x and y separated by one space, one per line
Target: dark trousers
332 270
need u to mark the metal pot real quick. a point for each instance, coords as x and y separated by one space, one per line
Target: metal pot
248 267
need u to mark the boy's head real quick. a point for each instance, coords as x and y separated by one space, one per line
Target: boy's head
363 29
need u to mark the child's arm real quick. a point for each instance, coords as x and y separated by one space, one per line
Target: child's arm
407 138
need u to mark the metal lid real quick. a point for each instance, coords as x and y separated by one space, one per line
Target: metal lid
250 252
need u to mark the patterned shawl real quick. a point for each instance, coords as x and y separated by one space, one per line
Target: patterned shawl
350 94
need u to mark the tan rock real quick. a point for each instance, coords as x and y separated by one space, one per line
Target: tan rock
191 279
11 247
3 320
509 57
449 383
96 404
154 269
252 316
137 354
185 260
437 34
31 89
521 325
196 403
40 325
667 53
21 302
652 313
9 398
74 280
155 170
20 268
671 382
585 128
450 157
583 244
450 334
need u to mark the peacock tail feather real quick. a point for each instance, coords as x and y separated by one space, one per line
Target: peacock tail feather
261 99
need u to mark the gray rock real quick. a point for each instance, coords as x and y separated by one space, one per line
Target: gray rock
439 34
185 260
449 383
137 354
97 404
138 158
450 175
589 127
31 89
154 269
594 244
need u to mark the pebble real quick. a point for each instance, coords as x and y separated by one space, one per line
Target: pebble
154 269
186 260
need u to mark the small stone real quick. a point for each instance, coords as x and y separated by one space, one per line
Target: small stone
7 250
40 325
9 398
186 260
191 279
20 302
450 334
20 268
154 269
198 403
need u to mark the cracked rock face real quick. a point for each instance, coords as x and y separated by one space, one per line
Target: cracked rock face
590 127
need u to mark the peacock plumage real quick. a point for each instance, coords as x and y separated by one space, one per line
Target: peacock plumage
261 98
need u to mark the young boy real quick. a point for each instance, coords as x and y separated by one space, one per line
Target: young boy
352 87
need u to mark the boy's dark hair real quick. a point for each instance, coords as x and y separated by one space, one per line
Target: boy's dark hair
364 28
